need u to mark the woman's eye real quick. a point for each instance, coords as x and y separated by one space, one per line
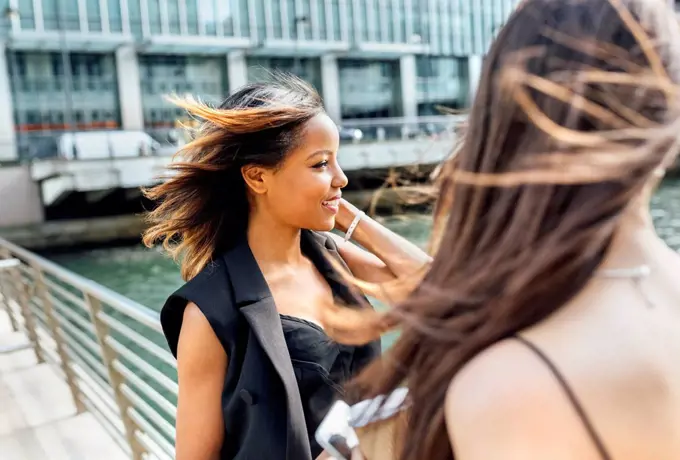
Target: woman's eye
321 164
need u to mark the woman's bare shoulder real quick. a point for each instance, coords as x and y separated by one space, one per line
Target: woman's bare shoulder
507 400
198 345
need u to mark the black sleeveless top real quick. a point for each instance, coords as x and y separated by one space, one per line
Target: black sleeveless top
320 365
283 372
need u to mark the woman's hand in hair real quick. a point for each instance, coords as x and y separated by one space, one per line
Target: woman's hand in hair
385 256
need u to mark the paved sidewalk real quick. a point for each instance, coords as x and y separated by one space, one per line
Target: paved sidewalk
38 419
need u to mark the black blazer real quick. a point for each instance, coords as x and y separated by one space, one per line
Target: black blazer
261 403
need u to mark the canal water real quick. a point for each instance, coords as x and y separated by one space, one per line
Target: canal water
148 277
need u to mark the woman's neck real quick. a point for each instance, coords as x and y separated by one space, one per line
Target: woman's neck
635 242
273 243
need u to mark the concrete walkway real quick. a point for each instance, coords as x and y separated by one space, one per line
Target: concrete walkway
38 419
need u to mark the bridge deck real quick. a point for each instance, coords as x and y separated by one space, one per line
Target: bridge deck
38 419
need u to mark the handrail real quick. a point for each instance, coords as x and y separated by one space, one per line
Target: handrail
396 121
127 306
101 342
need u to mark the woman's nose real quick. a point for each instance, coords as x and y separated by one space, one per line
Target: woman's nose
340 179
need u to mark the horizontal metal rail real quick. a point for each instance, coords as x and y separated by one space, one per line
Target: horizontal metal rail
89 334
143 366
150 431
146 389
137 339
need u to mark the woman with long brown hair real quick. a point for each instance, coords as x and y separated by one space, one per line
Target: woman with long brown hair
246 209
548 324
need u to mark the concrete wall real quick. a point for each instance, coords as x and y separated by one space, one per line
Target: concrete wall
129 91
8 147
19 198
69 233
237 70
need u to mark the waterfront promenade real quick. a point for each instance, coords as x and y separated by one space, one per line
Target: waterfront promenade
38 418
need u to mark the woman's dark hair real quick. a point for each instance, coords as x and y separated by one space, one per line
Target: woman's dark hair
202 206
576 109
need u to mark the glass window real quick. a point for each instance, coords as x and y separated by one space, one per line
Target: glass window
135 14
16 63
192 16
337 24
442 83
262 68
201 76
207 16
115 19
42 107
26 14
57 64
94 15
369 89
154 16
359 21
70 19
173 16
50 14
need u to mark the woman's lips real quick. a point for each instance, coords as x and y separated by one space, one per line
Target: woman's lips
332 205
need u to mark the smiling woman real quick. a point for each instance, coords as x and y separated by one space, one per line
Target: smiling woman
247 210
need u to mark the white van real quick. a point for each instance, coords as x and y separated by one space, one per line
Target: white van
90 145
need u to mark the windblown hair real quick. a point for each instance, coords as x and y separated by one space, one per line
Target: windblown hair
202 203
576 110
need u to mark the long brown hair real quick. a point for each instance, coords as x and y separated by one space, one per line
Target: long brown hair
577 106
202 204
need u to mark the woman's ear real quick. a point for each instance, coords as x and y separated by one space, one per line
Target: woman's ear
254 177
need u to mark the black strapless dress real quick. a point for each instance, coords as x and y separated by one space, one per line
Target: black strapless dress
321 367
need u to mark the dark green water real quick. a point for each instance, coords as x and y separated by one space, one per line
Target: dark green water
148 277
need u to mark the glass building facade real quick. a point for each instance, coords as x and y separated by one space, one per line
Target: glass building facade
106 64
167 74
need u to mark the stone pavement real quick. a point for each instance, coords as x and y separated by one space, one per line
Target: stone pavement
38 419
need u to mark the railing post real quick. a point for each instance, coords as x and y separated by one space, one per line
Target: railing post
115 379
4 290
53 324
23 299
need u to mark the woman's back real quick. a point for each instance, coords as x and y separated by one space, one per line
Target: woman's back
600 376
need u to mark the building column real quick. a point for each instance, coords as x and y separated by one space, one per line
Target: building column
8 139
408 77
330 87
237 70
129 88
474 74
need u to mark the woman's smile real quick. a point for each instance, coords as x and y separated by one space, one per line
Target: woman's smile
333 204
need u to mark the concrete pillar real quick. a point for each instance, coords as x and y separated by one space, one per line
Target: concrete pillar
408 77
129 88
474 74
330 86
8 139
237 70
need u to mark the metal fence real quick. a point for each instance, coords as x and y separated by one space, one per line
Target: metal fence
109 349
403 128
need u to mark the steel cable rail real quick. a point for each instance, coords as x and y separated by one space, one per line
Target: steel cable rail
109 349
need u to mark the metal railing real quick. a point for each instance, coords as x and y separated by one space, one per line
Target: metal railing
109 349
404 128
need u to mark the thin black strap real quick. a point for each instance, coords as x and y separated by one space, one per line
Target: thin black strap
572 397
